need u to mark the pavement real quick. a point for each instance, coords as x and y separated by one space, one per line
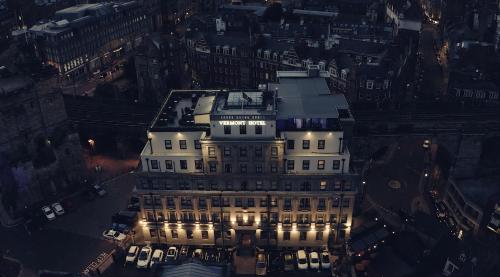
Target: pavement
432 83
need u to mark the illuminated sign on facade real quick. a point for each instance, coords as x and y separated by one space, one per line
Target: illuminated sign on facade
242 122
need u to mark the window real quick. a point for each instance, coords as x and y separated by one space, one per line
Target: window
189 234
343 219
258 185
305 144
336 164
305 165
251 202
243 129
369 84
287 204
237 202
211 152
184 164
258 151
229 186
168 144
215 202
227 151
258 168
321 164
337 186
303 235
287 218
170 202
197 144
227 168
274 167
319 235
274 185
286 235
227 129
321 144
202 203
335 203
198 164
154 164
204 234
304 203
243 151
169 164
214 186
274 152
174 233
333 218
321 204
322 185
290 144
290 164
345 202
212 167
182 144
306 186
243 168
288 186
258 129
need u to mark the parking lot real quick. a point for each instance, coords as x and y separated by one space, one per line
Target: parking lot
213 256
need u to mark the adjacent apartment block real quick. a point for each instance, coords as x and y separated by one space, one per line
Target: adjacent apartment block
82 38
270 164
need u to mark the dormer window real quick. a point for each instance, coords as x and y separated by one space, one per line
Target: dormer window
233 50
369 84
226 50
217 49
275 56
259 53
343 74
267 54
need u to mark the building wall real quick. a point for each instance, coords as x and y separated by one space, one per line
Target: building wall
467 214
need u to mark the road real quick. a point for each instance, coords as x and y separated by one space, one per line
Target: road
432 75
404 164
72 241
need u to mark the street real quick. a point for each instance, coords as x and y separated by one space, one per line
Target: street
432 74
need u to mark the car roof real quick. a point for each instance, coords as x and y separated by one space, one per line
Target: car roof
133 248
314 254
157 252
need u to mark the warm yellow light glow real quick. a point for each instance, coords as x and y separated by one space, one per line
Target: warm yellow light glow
313 226
197 226
142 222
308 133
330 133
294 227
179 225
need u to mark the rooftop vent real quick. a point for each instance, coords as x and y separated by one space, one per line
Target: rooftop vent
313 71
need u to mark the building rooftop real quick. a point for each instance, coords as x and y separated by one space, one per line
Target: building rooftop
12 85
298 95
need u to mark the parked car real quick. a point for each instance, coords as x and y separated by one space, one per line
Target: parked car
261 265
289 263
122 228
157 257
325 259
184 251
302 260
198 254
99 190
144 257
113 235
134 204
49 214
171 254
426 144
132 254
57 208
314 260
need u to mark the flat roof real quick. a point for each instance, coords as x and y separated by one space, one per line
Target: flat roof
204 105
307 98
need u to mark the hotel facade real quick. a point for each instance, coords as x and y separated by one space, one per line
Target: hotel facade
270 164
